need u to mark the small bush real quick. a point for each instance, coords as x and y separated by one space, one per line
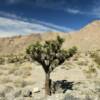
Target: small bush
20 83
16 58
12 59
96 57
2 60
91 72
72 50
82 63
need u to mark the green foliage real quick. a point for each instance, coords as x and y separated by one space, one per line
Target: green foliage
16 58
72 50
50 54
21 58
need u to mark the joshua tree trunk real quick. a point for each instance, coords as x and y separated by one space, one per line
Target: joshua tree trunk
47 84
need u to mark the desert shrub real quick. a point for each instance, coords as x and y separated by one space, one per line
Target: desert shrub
91 71
12 59
16 58
82 63
20 83
96 57
4 80
2 60
72 51
22 58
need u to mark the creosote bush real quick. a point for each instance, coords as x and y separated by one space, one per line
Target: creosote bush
49 55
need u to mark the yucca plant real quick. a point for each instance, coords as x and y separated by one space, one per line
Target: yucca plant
49 55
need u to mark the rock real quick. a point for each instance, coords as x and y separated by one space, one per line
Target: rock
26 93
36 90
68 91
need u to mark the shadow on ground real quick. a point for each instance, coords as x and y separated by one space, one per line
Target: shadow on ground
62 86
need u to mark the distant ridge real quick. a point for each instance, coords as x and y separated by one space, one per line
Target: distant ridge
87 38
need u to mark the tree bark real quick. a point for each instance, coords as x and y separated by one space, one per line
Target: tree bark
47 84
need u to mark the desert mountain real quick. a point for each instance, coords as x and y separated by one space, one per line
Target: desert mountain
87 38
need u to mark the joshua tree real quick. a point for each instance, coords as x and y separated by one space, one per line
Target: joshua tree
49 55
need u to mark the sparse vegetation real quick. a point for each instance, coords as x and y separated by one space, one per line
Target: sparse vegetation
20 83
96 57
82 63
21 58
2 60
91 71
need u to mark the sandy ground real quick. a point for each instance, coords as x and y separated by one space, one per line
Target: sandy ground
18 80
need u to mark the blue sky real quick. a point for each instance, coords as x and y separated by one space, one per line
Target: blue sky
37 16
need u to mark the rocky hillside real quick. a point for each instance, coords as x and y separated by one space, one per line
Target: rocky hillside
18 44
88 38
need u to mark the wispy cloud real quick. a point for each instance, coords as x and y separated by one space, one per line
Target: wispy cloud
73 11
51 25
96 8
9 27
11 24
9 15
69 6
73 6
13 1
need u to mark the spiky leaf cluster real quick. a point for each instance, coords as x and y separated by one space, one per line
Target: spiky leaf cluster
49 54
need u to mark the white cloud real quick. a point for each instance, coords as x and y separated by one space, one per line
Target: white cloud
94 11
60 28
73 11
15 27
10 27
